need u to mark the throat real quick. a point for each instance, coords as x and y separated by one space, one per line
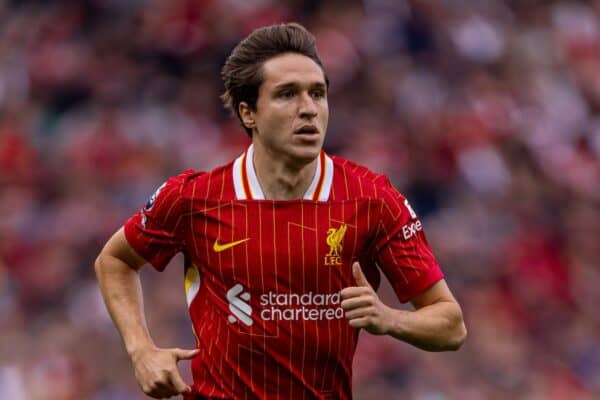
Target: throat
284 188
279 182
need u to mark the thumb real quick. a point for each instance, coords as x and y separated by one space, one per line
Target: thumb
182 354
359 276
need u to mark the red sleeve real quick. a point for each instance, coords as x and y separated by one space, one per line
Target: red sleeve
154 231
402 251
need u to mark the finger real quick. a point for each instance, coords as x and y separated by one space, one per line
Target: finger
360 313
356 302
182 354
179 384
161 390
359 323
359 276
355 291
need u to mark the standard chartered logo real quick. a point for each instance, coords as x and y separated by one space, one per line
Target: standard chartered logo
240 309
284 306
308 306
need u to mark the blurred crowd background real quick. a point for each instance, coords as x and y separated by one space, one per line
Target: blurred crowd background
485 113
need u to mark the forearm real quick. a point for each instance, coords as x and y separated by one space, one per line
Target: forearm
435 327
121 288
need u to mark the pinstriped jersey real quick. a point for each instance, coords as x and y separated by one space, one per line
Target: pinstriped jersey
263 277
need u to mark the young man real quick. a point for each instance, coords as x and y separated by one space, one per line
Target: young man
283 247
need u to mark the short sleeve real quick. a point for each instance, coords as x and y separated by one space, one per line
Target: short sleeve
153 231
401 248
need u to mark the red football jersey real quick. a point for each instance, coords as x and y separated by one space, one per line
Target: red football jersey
263 277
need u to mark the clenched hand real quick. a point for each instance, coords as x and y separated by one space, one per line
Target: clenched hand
156 371
363 307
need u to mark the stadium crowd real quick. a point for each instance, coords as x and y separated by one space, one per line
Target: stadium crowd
485 113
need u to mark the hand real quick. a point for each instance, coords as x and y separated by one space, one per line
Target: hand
363 307
156 371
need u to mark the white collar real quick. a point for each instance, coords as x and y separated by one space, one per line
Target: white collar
247 186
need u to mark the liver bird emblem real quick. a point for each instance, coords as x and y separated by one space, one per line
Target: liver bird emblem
334 240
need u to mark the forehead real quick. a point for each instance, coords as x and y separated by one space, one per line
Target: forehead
291 67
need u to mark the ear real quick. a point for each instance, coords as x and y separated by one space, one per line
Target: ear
247 115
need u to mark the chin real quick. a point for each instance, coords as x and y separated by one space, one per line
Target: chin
305 154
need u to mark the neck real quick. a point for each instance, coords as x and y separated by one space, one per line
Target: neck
281 179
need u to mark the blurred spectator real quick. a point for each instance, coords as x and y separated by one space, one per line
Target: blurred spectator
485 113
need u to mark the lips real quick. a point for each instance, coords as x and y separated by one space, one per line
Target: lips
307 129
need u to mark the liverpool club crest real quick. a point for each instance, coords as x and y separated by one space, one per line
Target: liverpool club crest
335 241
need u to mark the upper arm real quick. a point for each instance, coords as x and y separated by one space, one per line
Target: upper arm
155 231
118 247
438 292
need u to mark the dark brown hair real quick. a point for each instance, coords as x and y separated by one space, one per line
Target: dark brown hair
242 72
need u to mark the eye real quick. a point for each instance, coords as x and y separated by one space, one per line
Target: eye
317 94
285 94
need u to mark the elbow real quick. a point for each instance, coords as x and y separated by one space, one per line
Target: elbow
452 341
459 332
459 337
456 335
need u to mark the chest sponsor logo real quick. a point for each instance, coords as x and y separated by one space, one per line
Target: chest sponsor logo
276 306
219 247
335 241
238 305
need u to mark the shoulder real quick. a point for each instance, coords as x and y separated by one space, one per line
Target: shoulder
180 192
352 180
214 184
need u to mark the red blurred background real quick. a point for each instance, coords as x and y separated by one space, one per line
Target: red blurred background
486 114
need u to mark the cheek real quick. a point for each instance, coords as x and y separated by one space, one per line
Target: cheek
324 114
271 125
278 118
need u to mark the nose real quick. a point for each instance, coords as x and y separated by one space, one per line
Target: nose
307 107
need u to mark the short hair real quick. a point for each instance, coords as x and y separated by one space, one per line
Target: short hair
242 73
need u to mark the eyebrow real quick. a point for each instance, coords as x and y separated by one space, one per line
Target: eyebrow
285 85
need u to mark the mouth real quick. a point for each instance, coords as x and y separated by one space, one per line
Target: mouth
307 130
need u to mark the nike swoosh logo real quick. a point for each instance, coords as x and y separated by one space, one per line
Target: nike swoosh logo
219 247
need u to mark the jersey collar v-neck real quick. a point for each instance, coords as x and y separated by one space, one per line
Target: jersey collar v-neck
247 186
